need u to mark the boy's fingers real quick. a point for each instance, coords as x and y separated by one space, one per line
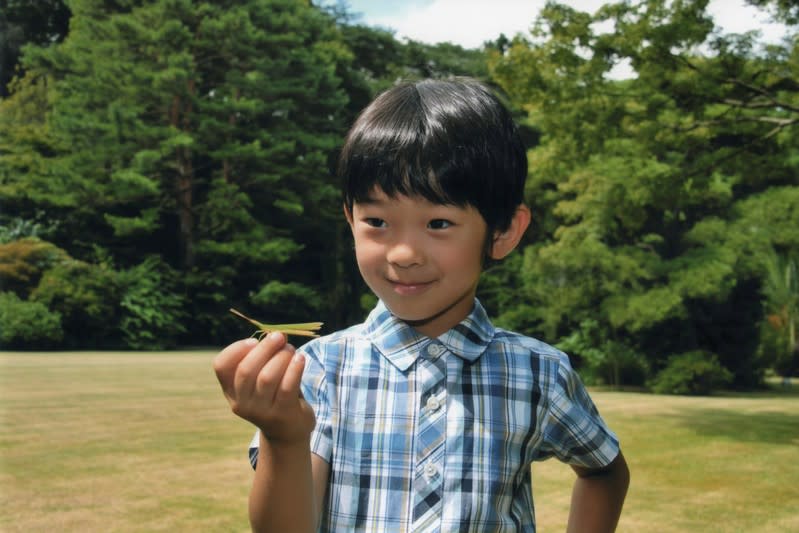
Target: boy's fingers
250 366
289 390
227 361
271 374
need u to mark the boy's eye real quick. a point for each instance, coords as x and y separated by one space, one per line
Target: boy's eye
439 223
375 222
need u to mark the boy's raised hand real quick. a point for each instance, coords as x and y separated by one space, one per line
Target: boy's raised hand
261 381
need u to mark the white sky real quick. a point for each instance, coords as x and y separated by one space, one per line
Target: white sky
472 22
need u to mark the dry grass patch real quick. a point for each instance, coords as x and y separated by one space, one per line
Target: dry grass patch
141 442
720 464
119 442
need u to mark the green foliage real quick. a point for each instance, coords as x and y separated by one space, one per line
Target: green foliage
781 293
27 325
694 373
86 296
33 21
16 228
604 361
664 188
23 261
292 300
203 133
30 170
772 348
152 315
367 301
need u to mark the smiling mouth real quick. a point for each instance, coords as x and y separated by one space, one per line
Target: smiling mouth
407 288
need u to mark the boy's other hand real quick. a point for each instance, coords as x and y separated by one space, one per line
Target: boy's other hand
261 381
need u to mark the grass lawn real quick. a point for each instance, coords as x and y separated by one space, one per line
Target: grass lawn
145 442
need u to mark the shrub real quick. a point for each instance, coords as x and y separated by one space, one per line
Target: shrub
152 307
23 261
695 373
778 349
16 228
87 298
27 325
604 361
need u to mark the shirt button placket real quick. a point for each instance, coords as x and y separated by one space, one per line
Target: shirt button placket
428 482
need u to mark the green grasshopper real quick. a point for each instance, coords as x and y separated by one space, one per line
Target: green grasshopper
305 329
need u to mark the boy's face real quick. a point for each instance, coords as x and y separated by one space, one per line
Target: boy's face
422 259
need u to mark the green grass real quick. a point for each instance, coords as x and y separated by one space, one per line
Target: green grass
709 464
119 442
145 442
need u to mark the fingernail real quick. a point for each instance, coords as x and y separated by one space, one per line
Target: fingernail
273 335
298 358
251 341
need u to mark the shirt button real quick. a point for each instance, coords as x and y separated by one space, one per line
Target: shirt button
430 470
433 404
435 349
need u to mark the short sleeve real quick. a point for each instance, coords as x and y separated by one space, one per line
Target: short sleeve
573 430
314 390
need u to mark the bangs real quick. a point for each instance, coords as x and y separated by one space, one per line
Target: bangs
447 142
396 150
406 170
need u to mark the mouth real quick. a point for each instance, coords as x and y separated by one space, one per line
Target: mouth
406 288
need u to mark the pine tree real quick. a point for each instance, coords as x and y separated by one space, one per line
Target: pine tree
199 131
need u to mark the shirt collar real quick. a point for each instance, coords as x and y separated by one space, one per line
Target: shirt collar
402 345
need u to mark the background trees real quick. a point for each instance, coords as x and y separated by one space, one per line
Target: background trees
177 153
666 190
162 161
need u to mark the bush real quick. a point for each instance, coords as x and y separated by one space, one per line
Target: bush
778 349
603 361
27 325
23 261
695 373
87 298
152 308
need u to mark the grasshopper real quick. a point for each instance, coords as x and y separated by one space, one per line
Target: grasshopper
305 329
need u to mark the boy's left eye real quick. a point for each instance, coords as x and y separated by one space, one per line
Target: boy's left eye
439 223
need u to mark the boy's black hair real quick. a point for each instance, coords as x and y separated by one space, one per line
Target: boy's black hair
448 141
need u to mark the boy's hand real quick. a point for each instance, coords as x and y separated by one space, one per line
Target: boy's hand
261 381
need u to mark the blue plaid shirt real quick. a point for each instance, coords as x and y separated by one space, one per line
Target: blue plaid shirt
435 435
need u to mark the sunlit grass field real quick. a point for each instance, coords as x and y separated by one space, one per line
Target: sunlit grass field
145 442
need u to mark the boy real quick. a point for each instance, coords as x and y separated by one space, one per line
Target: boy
425 417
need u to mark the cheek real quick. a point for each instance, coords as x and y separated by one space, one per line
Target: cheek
463 258
366 254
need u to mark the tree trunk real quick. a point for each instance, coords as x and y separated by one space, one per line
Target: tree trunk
180 116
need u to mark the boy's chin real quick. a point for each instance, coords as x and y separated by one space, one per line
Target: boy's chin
416 321
411 318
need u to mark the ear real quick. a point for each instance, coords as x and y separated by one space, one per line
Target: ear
506 241
347 214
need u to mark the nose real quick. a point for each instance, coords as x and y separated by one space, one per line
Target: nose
405 253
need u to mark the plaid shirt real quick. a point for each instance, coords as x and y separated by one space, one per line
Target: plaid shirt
435 435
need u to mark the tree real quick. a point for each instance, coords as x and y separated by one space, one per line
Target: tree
781 291
648 179
40 22
199 131
203 133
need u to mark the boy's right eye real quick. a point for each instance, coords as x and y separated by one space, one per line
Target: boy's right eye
375 222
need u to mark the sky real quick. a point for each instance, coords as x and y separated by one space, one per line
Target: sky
470 23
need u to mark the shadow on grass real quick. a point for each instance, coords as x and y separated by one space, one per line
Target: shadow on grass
768 427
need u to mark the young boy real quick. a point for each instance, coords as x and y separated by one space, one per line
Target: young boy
425 417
